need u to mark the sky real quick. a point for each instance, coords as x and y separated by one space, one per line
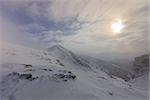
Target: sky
83 26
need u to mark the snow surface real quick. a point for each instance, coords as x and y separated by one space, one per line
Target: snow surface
57 74
141 83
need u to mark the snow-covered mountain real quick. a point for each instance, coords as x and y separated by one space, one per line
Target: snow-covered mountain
109 68
141 65
88 62
58 74
68 57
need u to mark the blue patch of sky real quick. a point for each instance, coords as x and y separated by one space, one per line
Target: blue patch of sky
21 17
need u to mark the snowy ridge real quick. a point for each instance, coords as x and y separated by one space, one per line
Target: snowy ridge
68 57
88 62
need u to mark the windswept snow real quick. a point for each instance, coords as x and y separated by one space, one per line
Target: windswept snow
141 83
57 74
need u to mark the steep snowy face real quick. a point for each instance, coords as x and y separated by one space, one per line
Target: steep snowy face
58 49
68 57
60 52
88 62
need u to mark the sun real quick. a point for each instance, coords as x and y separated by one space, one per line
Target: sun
117 26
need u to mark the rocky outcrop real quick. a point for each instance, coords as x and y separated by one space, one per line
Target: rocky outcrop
64 75
141 65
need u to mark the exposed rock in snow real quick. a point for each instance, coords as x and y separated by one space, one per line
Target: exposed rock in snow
88 62
141 65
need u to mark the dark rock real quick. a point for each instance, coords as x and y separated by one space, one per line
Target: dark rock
141 65
27 65
57 60
50 70
64 74
69 72
110 93
45 69
72 76
61 64
65 80
26 76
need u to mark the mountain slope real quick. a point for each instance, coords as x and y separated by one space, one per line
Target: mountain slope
68 57
141 82
88 62
109 68
38 75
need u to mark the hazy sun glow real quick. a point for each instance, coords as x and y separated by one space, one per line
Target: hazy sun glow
117 26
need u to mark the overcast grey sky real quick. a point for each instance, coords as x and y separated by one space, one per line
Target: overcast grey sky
79 25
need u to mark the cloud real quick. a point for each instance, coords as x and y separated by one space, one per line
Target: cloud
82 25
33 28
58 11
50 36
8 30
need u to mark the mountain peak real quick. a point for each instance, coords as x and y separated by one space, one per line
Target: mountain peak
58 48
